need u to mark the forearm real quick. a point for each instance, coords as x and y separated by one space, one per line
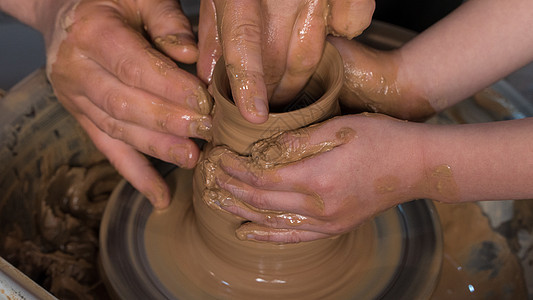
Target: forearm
479 43
490 161
39 14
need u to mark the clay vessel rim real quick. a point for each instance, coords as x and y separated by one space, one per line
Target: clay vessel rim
336 85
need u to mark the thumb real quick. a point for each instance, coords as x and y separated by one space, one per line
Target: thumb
170 29
348 18
208 41
295 145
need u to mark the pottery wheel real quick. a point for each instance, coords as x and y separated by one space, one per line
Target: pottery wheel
147 254
160 255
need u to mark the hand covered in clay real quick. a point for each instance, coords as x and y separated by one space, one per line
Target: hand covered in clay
272 47
372 83
323 180
112 65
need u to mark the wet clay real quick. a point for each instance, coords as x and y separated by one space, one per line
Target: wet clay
440 184
230 128
63 257
194 250
274 151
371 84
195 254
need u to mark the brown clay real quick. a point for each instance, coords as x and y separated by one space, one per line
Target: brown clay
232 130
194 251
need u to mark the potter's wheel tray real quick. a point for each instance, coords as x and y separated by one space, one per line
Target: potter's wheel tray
190 251
397 254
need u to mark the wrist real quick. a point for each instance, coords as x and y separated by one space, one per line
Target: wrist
394 166
438 166
39 15
375 81
474 162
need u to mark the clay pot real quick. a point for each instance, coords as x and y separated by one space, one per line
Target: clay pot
254 268
190 251
317 102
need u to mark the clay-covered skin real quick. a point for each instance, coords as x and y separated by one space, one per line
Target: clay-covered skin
232 127
234 134
287 177
198 249
349 18
372 83
279 183
272 47
387 163
218 261
126 90
293 146
437 182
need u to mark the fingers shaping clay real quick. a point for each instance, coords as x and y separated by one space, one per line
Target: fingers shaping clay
192 247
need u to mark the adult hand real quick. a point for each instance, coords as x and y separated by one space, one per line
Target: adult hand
324 180
272 47
111 64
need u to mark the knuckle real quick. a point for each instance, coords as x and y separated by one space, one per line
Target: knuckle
294 140
115 104
272 220
328 214
163 121
246 32
294 237
258 180
166 9
112 128
129 71
335 228
305 64
322 185
82 31
257 199
186 156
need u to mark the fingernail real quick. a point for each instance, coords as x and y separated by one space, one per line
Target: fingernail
260 106
243 235
158 203
231 189
217 198
200 101
202 128
205 102
193 102
158 198
182 155
226 202
176 40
